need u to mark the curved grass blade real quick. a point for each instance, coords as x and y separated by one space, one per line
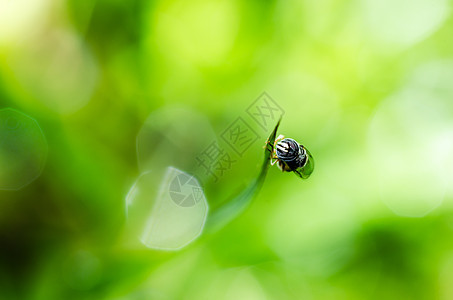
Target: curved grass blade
237 204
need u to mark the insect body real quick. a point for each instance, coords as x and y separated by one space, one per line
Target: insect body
292 157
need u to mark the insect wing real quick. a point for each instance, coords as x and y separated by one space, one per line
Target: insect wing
305 171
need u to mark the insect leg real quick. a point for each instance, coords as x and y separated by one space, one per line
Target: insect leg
281 137
268 146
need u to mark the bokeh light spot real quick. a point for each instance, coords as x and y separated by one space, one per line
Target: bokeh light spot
23 149
404 22
57 69
410 139
20 18
168 211
174 136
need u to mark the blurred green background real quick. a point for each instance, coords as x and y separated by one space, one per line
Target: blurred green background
366 85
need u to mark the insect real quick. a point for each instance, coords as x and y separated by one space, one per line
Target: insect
291 156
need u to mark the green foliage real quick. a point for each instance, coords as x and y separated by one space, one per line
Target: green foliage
365 85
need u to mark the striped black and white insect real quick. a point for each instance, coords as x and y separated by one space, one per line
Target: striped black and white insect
291 156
